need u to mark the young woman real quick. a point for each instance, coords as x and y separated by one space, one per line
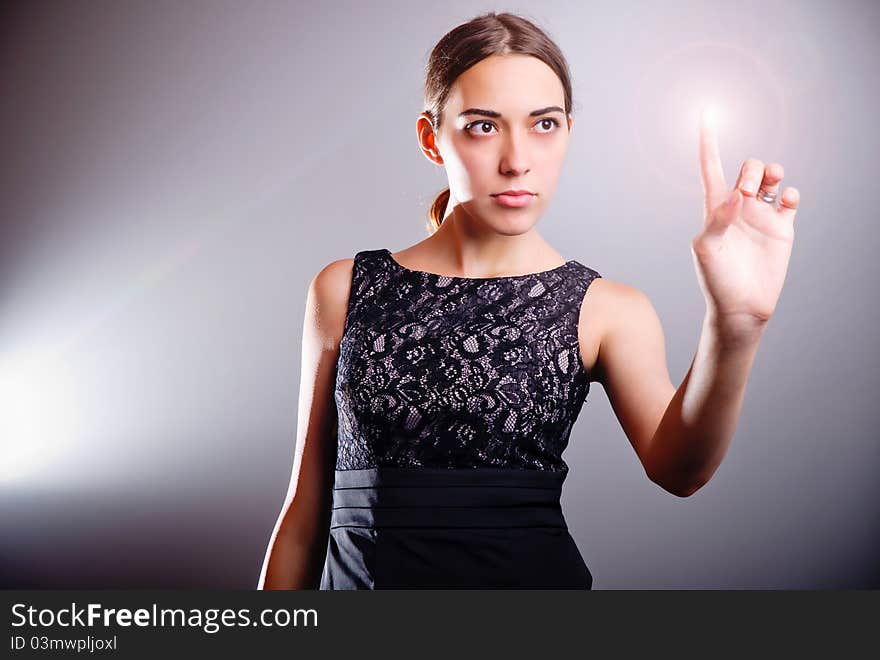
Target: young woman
440 383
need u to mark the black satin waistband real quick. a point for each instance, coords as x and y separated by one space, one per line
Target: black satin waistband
441 497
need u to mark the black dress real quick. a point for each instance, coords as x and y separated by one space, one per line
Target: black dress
455 399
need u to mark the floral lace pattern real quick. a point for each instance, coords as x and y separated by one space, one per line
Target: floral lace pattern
439 371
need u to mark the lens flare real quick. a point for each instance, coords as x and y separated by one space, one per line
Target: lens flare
725 84
710 116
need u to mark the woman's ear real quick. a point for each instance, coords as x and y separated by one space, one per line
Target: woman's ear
428 139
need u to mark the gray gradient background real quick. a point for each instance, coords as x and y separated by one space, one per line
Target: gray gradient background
172 179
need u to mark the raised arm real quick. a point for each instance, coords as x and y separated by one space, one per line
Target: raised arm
296 553
741 256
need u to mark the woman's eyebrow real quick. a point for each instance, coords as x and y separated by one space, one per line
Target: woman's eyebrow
492 113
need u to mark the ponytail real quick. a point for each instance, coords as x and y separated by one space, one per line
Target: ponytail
438 210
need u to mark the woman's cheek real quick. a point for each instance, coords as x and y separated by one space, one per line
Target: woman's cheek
477 169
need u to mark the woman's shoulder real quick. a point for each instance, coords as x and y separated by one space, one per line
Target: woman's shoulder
339 271
331 286
610 312
332 276
613 290
327 300
609 298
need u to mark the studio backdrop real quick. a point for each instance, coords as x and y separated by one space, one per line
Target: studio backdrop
175 173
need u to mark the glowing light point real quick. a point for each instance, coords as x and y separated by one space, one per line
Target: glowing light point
710 116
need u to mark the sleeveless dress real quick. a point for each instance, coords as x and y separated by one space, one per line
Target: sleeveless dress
455 399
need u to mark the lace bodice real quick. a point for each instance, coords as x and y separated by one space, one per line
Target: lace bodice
438 371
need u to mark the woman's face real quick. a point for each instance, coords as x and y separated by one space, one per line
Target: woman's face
512 150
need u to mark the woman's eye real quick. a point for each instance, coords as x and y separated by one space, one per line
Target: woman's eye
482 124
553 122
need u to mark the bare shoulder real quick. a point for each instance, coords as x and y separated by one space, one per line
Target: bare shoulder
328 297
613 293
331 277
607 307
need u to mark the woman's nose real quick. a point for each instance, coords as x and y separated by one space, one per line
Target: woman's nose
513 156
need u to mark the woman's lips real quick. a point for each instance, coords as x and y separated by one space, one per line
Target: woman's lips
514 201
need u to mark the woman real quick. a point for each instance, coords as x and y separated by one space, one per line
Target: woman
458 365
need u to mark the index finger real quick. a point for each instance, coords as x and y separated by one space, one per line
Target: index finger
712 174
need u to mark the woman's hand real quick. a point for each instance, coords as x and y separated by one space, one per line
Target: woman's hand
741 254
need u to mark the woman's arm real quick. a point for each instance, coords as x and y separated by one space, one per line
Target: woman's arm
741 257
296 552
679 434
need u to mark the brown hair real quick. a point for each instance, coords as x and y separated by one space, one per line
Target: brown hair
467 44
